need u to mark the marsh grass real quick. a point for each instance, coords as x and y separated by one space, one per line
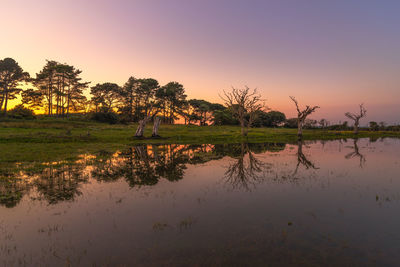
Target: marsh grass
57 139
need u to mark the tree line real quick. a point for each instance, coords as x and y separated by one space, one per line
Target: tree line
58 90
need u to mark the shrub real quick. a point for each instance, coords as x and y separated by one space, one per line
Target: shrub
106 117
21 112
269 119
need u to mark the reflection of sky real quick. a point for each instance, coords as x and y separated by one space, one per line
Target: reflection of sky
335 54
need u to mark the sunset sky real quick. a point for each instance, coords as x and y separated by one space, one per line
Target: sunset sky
336 54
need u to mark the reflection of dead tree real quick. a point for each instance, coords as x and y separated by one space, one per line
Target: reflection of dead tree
302 159
356 153
242 173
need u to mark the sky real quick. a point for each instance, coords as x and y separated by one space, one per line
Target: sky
335 54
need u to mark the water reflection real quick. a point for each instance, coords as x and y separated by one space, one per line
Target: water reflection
241 204
302 159
246 170
356 153
145 165
61 183
140 165
11 191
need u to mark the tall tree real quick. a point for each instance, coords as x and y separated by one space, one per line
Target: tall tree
356 117
146 92
245 104
203 111
11 75
130 98
45 83
33 98
105 96
59 86
136 96
302 116
171 98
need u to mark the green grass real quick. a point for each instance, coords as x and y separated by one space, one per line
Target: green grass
56 139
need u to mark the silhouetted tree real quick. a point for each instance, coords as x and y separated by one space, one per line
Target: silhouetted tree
356 117
11 75
60 87
171 98
203 111
302 115
373 126
268 119
323 123
130 98
224 117
244 104
32 98
105 96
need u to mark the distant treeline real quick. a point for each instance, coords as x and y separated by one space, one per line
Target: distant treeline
58 91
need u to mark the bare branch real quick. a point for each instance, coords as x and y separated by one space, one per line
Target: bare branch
356 117
302 114
244 103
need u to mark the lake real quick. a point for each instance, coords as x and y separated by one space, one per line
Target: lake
331 203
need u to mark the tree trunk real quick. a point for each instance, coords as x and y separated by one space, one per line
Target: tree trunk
243 127
141 126
356 127
1 103
156 125
5 104
299 128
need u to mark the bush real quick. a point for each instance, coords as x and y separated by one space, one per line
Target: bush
224 117
106 117
269 119
21 112
291 123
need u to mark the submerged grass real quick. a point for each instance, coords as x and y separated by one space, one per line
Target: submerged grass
53 140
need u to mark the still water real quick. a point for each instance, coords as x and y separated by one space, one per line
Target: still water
333 203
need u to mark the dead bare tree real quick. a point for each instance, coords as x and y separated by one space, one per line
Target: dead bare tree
356 117
302 115
156 125
244 104
150 113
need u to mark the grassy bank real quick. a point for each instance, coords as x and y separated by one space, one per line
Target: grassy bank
52 140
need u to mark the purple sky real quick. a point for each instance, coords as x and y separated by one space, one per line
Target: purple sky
336 54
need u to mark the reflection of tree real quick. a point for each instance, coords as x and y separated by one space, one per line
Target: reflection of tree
139 165
11 191
146 164
245 171
104 169
302 159
54 183
356 153
60 183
